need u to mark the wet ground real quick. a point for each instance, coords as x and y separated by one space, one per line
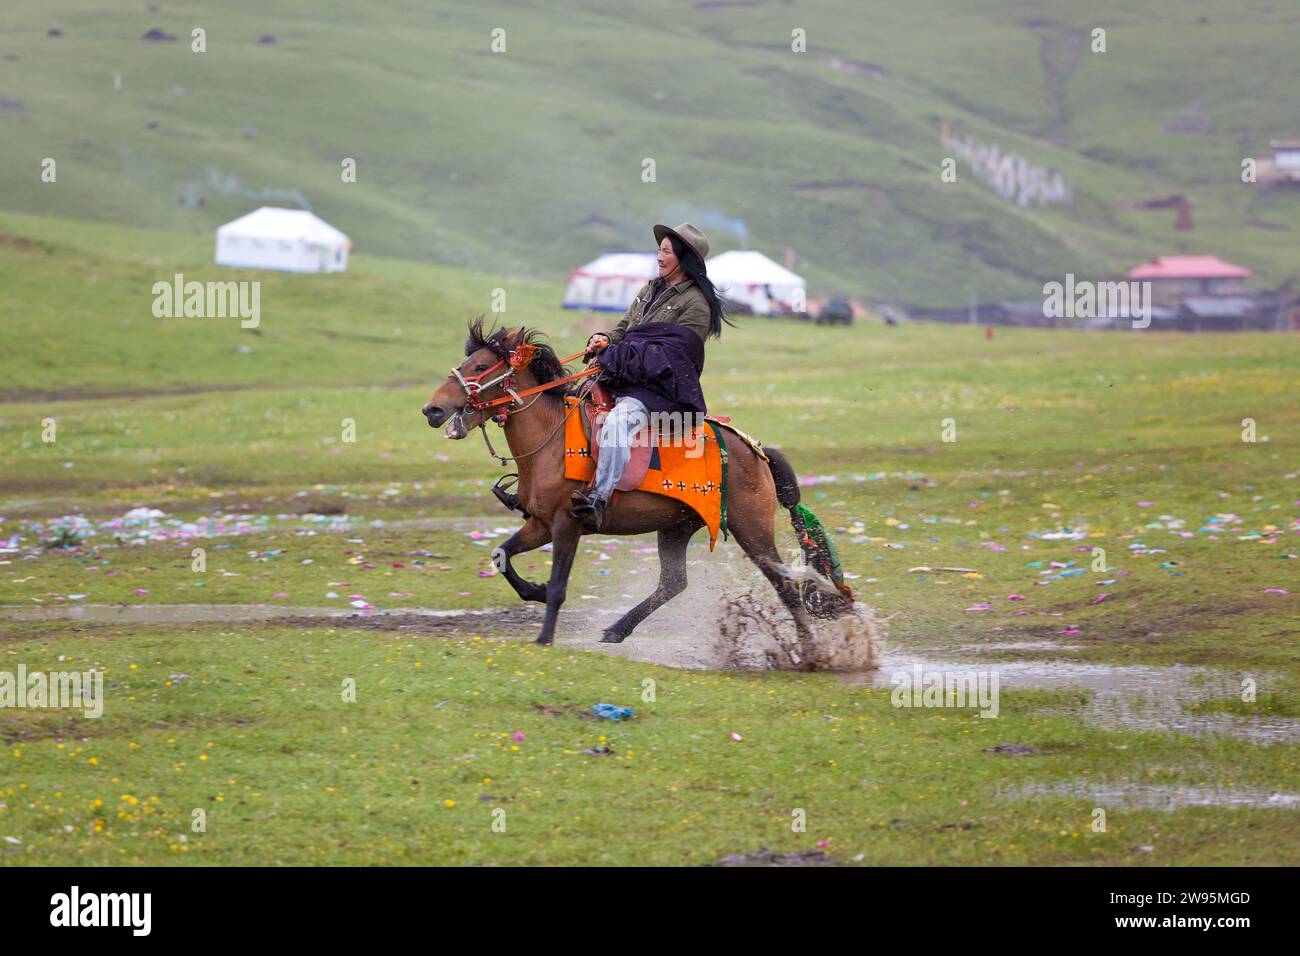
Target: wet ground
1134 697
1165 797
1150 698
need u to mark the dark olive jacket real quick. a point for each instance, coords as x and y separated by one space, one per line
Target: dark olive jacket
681 304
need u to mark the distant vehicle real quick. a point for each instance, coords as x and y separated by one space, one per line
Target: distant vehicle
835 312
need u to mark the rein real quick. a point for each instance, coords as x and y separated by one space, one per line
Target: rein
504 459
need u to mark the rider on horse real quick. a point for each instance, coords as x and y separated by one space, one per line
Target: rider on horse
648 363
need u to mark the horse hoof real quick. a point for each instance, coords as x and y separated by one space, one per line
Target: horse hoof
609 637
544 641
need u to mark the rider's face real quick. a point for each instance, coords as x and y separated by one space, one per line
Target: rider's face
667 259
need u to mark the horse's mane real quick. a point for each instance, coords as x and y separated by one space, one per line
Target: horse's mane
545 365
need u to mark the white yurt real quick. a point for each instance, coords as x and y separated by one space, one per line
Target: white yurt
758 282
290 240
611 282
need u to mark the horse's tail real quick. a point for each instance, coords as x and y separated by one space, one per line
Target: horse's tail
818 549
787 482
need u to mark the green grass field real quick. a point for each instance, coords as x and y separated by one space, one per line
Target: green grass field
530 161
1134 440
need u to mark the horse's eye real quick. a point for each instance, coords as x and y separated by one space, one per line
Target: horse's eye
481 368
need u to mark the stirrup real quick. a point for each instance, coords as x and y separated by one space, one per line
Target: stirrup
507 497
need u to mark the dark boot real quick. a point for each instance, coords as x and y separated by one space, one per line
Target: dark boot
507 497
588 509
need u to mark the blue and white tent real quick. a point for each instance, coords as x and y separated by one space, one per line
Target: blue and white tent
610 283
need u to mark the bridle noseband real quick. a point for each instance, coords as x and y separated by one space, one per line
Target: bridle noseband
519 358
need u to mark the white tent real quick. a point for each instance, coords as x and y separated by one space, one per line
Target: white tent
291 240
758 282
610 283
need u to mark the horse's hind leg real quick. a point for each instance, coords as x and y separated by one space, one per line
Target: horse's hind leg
756 538
532 535
672 582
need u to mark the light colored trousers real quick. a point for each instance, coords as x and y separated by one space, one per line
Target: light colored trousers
622 422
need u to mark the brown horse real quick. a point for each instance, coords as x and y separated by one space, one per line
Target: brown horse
534 431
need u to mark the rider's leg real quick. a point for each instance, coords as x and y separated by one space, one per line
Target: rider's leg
627 415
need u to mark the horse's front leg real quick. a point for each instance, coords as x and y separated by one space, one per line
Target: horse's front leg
532 535
565 534
672 581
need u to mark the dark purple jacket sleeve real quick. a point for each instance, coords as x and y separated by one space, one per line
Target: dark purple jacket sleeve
660 364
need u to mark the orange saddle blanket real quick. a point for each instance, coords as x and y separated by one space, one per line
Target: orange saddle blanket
677 469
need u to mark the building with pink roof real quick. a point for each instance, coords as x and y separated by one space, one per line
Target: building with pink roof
1175 278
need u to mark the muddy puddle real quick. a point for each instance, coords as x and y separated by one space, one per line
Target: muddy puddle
491 623
1165 797
1133 697
674 643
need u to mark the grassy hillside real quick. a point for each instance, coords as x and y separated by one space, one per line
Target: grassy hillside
529 162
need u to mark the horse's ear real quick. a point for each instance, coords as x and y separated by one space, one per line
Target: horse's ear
478 338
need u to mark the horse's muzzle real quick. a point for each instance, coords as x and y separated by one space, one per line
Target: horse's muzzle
454 418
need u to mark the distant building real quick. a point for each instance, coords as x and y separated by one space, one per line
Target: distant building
1286 154
1282 167
1175 278
1187 293
1030 313
1221 313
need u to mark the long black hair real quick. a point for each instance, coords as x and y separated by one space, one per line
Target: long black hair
693 266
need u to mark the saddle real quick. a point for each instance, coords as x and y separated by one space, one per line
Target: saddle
694 475
593 411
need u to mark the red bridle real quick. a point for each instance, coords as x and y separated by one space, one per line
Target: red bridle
518 359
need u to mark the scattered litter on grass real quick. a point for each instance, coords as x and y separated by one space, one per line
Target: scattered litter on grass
149 525
613 712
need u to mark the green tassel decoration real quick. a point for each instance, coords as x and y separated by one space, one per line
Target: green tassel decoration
817 534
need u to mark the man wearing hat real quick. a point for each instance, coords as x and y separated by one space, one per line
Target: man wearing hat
649 366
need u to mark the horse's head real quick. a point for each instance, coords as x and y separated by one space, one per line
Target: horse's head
494 361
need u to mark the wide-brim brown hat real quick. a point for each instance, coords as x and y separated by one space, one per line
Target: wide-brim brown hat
694 239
